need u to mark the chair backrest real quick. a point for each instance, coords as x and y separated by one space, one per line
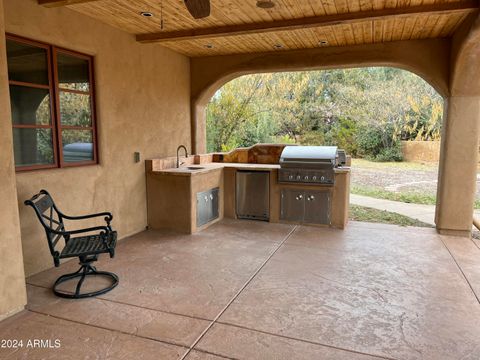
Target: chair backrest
50 217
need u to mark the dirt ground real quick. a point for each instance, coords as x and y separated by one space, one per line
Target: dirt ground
398 177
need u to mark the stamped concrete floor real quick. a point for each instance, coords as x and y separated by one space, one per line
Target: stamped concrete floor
253 290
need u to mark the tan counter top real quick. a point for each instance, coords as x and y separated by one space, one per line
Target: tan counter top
214 166
206 168
344 169
184 171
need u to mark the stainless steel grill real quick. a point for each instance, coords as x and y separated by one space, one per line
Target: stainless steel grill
308 165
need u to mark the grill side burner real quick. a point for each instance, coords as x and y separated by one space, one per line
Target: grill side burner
308 165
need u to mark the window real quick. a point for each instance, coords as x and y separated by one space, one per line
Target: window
52 102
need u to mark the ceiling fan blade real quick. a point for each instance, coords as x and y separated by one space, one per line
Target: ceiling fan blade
198 8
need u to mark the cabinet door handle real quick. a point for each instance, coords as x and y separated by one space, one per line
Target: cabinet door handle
300 197
211 197
206 198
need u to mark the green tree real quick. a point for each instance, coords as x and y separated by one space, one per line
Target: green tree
233 115
366 111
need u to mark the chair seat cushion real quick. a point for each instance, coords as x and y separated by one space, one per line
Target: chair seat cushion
89 245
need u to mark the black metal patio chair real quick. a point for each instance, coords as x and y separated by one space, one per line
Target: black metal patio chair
94 241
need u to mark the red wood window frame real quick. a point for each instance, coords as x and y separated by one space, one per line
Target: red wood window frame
55 89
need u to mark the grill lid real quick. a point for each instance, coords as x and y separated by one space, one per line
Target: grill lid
303 155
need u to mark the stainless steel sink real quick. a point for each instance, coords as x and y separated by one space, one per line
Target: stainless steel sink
195 167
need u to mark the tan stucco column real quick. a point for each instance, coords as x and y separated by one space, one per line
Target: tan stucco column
12 279
458 165
199 128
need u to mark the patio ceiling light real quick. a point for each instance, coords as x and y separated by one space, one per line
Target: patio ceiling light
323 43
209 46
278 46
146 14
265 4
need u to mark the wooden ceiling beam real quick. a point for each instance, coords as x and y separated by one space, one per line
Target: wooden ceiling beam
57 3
310 22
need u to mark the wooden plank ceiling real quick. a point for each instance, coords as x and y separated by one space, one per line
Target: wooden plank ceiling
239 26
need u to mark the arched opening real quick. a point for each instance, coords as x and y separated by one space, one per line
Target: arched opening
300 107
387 118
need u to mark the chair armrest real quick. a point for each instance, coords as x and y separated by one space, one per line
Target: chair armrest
82 217
80 231
107 217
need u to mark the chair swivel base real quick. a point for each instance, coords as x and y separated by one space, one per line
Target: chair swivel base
85 270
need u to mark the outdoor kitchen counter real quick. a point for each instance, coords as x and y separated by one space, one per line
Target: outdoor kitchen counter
213 166
172 192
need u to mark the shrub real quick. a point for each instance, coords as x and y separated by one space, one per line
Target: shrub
343 134
284 139
369 142
378 144
315 138
393 153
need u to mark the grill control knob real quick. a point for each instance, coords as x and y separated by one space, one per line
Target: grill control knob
299 177
322 178
290 177
314 178
305 177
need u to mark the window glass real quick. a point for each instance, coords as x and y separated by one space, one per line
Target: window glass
73 72
75 109
33 146
53 122
77 145
27 63
30 106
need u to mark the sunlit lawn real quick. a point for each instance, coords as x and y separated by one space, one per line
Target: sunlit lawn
366 214
406 197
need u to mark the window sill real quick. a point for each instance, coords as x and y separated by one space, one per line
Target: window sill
29 169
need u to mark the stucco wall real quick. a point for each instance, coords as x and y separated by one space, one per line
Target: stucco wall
12 282
143 99
428 151
422 151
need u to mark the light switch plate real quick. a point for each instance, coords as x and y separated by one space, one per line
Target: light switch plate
136 156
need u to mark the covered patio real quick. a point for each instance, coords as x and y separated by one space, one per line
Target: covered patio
272 291
225 288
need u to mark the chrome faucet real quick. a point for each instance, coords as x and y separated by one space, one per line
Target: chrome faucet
178 158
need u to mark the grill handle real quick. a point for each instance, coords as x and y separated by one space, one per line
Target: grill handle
294 163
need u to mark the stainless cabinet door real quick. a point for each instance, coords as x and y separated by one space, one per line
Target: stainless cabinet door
317 207
213 208
207 206
203 205
292 205
253 195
